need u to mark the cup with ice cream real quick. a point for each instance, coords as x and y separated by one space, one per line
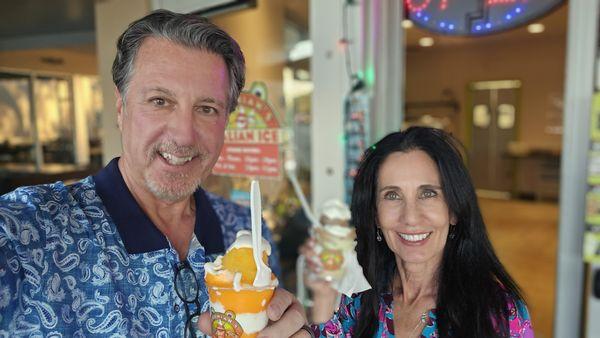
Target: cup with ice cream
238 308
335 239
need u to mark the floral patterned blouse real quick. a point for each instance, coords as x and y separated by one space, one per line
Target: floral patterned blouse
344 321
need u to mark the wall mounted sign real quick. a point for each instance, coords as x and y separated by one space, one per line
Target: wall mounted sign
475 17
252 139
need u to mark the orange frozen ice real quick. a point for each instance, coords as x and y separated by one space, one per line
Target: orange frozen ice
238 308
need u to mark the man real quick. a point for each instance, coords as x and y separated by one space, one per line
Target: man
103 256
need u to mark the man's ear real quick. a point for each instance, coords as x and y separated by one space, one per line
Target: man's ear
120 108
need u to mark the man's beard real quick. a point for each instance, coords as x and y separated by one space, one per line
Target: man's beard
173 187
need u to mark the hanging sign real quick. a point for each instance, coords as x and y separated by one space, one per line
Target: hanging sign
253 138
356 136
476 17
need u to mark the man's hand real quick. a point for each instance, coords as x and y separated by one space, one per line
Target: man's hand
286 316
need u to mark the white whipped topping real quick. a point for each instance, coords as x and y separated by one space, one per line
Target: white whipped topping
335 209
237 281
214 267
338 230
243 239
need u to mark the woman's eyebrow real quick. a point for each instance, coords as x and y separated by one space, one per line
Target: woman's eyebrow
388 187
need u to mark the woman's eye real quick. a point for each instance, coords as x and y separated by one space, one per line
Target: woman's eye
428 194
391 195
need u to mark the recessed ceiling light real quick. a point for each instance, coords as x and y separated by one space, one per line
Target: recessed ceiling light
407 24
426 42
535 28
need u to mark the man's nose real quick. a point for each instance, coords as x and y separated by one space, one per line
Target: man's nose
181 126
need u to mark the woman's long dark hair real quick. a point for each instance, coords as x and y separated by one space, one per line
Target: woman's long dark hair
473 286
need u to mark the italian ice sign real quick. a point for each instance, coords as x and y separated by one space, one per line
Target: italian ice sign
252 139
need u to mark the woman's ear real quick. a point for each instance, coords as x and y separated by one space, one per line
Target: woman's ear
453 219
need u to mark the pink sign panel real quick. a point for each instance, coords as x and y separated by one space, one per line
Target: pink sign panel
252 139
256 160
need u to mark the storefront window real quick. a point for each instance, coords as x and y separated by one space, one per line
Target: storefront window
274 38
54 113
49 127
16 132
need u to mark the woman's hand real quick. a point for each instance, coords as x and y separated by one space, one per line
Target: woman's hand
324 295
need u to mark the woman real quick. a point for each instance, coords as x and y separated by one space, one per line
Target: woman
424 249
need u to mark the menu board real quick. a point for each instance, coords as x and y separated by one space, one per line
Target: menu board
253 138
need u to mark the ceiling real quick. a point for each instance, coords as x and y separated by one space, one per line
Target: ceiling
26 24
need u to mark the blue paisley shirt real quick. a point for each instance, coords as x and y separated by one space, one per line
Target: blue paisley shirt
84 260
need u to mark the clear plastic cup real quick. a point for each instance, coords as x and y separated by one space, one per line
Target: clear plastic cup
333 243
238 313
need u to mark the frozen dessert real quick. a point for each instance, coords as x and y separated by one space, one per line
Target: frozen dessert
334 247
238 308
335 239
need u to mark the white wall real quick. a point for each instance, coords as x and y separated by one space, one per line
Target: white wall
112 18
330 87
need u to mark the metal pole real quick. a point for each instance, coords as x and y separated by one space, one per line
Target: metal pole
579 85
33 113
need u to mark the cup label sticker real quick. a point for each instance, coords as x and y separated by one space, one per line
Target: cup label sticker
332 259
224 325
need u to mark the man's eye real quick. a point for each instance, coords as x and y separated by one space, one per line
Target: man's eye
391 195
158 101
208 110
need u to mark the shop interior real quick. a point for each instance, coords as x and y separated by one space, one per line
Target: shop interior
53 107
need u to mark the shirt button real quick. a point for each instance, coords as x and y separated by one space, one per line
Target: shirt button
176 308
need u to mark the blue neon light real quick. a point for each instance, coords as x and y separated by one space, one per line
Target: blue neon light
457 17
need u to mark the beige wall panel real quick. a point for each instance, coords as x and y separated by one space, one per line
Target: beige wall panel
538 63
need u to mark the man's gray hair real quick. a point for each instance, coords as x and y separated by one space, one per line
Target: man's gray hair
187 30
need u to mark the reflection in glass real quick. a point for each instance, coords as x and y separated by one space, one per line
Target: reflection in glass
16 132
506 116
481 116
55 119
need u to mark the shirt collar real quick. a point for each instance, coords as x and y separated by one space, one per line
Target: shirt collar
131 221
